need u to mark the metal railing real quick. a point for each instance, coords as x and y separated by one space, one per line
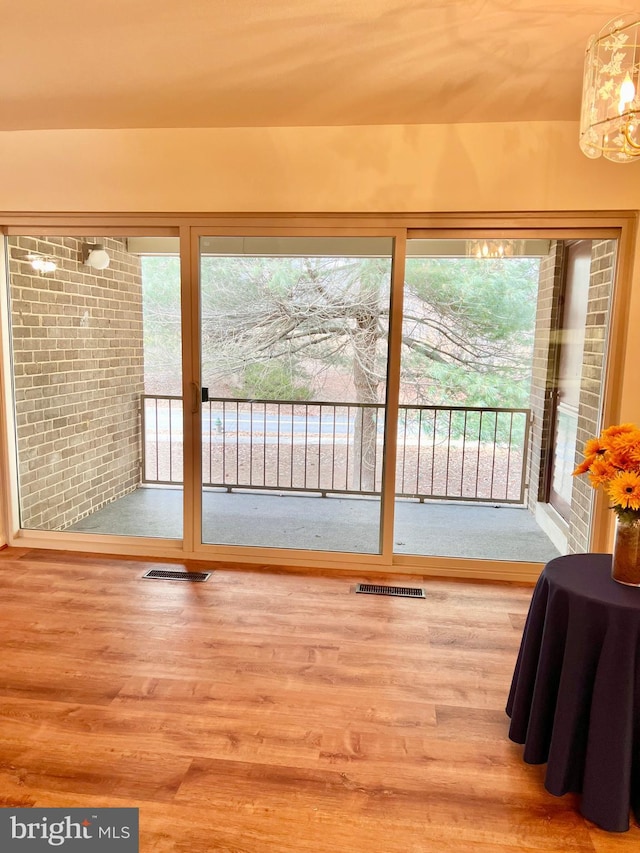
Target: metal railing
443 452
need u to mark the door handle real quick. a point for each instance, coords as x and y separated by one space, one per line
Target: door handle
195 398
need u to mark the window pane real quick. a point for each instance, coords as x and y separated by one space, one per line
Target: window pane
96 330
500 387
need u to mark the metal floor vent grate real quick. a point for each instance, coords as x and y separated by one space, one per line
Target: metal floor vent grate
402 591
161 574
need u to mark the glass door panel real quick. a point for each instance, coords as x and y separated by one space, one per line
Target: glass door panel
96 358
294 363
477 385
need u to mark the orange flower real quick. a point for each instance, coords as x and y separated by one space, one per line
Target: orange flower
583 467
618 429
613 460
627 445
601 472
596 447
624 490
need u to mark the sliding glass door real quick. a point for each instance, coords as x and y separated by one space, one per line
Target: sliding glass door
371 396
293 349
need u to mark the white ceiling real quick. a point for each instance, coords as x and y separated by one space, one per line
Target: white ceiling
237 63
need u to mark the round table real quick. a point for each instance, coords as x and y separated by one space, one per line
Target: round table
575 696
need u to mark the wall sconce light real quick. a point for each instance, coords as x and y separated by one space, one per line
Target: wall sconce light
610 116
95 256
42 263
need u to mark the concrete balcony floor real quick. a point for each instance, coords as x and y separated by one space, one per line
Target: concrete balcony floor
310 522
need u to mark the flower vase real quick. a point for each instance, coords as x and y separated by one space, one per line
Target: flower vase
625 566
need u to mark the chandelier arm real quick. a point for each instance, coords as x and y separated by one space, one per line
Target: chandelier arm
629 141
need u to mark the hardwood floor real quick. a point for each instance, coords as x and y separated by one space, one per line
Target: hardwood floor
272 711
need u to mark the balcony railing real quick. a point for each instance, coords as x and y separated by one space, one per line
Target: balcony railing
443 452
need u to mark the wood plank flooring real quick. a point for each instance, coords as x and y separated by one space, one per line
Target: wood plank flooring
272 711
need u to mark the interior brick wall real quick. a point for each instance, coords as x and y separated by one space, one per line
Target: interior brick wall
78 368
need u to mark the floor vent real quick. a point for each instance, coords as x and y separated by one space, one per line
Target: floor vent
160 574
402 591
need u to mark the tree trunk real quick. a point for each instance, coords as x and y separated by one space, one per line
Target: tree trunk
365 347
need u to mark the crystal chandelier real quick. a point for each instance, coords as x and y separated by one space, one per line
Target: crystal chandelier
610 96
490 248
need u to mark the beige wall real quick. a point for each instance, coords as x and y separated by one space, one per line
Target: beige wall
479 167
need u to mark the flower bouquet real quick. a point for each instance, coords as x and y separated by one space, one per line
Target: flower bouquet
613 462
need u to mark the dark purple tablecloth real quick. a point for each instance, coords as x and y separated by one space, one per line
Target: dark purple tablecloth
575 697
